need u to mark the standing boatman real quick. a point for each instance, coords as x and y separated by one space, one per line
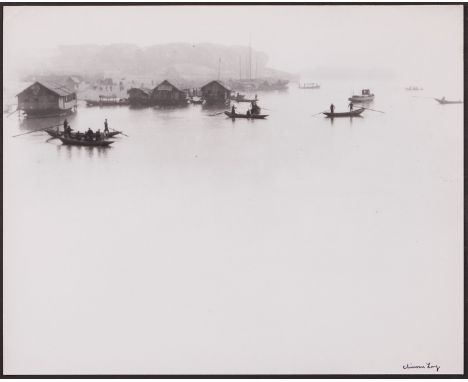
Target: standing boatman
106 127
332 108
351 105
233 110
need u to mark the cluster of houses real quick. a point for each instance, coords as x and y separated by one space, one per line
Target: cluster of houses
44 98
168 94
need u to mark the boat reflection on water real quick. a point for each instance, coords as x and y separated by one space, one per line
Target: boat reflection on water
77 151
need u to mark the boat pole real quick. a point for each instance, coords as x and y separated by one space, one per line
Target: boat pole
29 132
121 132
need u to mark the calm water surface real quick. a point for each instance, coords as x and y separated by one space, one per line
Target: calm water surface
204 245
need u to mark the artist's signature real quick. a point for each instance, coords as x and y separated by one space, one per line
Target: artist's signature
427 365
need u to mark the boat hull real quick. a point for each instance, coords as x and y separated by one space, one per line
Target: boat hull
110 103
82 142
354 113
444 102
252 116
361 99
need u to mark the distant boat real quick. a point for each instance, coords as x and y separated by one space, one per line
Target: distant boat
443 101
413 88
107 101
311 85
241 98
365 96
250 116
354 113
196 100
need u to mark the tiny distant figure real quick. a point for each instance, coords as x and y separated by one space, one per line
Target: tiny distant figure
248 113
256 97
332 108
65 124
351 106
233 110
106 127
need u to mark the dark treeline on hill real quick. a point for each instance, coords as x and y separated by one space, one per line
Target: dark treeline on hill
176 60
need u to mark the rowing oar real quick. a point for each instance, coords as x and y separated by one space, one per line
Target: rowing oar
121 132
34 131
313 115
14 111
372 109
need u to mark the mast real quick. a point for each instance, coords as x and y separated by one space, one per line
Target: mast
250 58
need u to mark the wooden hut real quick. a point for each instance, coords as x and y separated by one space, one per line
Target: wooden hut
46 98
167 94
215 92
139 96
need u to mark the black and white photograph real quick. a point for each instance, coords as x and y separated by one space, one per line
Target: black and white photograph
237 189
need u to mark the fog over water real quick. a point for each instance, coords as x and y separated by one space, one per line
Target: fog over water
198 244
414 43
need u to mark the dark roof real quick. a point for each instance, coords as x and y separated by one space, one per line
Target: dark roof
144 90
219 83
59 89
176 87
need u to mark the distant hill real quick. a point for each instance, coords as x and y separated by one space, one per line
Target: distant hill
176 60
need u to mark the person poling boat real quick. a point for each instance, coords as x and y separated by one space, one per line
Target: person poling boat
351 106
106 127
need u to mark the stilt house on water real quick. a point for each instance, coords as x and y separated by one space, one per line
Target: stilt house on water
167 94
139 96
46 99
215 92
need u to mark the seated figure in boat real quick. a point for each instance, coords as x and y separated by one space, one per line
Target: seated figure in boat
78 135
98 135
67 130
351 105
89 134
255 109
233 110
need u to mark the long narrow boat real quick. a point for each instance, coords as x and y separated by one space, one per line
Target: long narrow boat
251 116
83 142
445 102
354 113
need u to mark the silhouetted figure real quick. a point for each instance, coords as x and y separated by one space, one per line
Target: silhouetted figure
351 106
332 108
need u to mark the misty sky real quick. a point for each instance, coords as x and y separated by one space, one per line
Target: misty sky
413 41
